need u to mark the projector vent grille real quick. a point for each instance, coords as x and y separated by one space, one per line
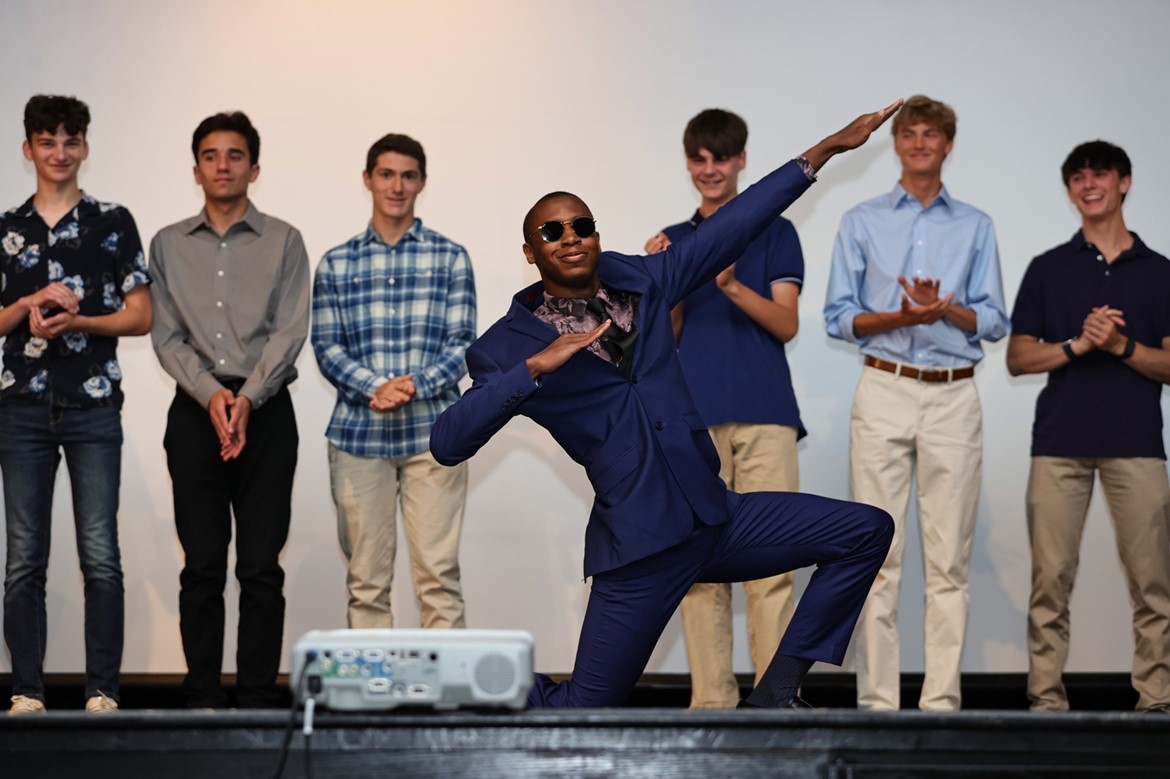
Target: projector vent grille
495 674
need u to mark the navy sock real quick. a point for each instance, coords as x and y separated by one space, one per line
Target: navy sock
780 682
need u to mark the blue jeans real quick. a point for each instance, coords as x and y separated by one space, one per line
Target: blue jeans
32 440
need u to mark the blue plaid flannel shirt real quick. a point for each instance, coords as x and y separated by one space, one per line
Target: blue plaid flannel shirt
381 311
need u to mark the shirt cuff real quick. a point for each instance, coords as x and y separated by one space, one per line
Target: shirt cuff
806 167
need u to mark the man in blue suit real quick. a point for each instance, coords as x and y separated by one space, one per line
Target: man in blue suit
611 392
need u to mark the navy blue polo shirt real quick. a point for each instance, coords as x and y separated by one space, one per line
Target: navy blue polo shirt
1096 405
735 369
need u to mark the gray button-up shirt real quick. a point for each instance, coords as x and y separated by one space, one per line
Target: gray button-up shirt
231 306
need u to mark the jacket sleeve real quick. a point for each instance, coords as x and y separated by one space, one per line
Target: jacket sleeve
720 240
495 397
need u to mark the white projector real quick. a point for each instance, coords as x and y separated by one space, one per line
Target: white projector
360 670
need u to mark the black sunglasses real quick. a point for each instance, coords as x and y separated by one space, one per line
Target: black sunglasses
583 227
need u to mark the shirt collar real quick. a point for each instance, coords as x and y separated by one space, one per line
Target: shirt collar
1138 249
697 219
414 233
899 195
86 206
566 303
252 220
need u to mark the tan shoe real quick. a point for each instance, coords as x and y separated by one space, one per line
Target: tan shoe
22 704
100 704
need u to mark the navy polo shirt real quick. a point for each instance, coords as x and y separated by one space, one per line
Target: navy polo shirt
735 369
1096 405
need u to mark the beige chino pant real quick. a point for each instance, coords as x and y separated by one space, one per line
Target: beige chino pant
367 492
753 458
1138 494
899 424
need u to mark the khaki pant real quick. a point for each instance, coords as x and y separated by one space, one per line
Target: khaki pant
753 458
1138 494
366 491
898 424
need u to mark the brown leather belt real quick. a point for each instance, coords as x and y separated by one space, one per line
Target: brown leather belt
921 374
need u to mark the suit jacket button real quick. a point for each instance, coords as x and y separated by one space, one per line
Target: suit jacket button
634 379
658 425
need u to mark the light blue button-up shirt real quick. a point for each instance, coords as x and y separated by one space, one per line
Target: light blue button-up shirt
893 235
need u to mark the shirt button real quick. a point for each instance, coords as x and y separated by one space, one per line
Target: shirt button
1099 257
219 273
393 312
219 335
219 304
390 282
223 244
920 243
222 361
658 425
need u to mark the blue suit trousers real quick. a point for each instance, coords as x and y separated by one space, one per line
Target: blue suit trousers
769 533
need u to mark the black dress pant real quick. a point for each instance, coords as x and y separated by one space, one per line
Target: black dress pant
257 488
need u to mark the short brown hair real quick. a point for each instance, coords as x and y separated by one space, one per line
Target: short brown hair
399 144
720 132
922 109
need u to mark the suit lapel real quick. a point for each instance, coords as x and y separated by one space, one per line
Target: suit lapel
615 272
520 318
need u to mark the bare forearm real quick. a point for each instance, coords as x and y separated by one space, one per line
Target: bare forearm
961 317
12 315
873 323
818 155
1028 354
849 137
124 322
1151 362
135 318
782 321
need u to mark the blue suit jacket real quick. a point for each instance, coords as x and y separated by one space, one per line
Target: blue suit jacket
644 446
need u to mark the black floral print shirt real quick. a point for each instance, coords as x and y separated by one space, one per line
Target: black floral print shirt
94 250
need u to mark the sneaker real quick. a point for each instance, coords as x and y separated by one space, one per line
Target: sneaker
22 704
100 704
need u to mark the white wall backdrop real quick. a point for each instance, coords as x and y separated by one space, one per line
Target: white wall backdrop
518 97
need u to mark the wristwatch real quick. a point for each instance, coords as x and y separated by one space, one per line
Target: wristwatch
1068 350
1130 345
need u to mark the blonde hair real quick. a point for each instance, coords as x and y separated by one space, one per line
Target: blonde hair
922 109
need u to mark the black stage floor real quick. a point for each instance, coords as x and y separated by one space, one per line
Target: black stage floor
663 740
599 743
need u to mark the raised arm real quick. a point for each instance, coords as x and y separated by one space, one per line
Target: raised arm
850 137
723 238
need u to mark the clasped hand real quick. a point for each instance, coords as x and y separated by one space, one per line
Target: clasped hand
229 416
52 296
394 394
921 304
1102 329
